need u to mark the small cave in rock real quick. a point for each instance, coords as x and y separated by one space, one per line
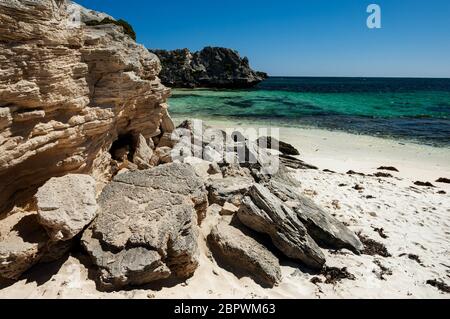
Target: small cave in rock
123 148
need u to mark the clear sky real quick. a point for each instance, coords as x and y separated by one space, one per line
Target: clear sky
300 37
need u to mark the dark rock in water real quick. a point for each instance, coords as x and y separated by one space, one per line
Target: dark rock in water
329 171
442 192
424 184
211 67
321 226
273 143
244 255
443 180
265 213
147 227
388 168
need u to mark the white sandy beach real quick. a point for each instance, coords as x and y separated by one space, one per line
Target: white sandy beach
415 220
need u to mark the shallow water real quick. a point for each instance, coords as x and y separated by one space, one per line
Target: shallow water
413 109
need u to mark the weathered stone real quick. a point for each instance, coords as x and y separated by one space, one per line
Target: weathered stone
235 170
230 189
265 213
214 168
243 254
229 209
143 153
85 14
166 140
321 226
147 226
66 205
66 94
162 155
167 125
22 244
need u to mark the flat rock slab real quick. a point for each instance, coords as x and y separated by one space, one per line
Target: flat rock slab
265 213
321 226
147 227
230 245
66 205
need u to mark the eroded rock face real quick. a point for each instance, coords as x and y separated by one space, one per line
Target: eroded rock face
66 205
66 93
147 227
265 213
233 247
210 67
321 226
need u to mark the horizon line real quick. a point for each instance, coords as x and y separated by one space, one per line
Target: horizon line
358 77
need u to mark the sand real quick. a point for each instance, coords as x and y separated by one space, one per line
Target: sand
415 221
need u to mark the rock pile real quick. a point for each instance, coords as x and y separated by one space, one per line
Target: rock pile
88 152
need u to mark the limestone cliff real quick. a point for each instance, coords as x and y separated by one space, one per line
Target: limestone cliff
211 67
67 92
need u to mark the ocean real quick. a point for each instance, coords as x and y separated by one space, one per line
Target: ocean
400 108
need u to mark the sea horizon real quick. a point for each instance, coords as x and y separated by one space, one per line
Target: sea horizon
410 109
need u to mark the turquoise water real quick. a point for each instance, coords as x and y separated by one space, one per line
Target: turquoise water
414 109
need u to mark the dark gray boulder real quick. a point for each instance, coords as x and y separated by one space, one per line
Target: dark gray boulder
243 254
265 213
321 226
147 226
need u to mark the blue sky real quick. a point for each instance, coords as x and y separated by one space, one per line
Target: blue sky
300 37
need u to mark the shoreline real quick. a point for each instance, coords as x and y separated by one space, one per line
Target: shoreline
410 221
341 151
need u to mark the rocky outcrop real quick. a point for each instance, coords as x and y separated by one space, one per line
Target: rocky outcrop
147 227
210 67
268 201
66 205
67 93
85 15
265 213
243 254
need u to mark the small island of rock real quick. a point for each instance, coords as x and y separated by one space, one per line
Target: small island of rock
212 67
